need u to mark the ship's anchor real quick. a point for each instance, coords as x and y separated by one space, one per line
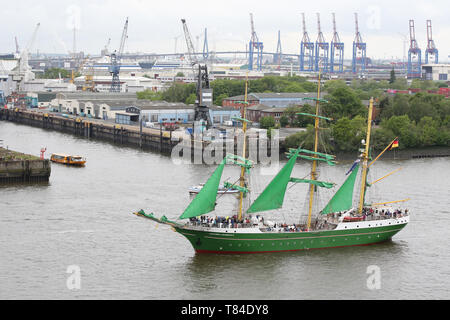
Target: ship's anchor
198 242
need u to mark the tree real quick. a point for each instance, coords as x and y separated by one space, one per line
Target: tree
347 134
219 99
149 95
179 74
284 121
393 77
191 99
267 122
343 102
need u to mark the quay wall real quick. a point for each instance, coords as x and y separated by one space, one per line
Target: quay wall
24 170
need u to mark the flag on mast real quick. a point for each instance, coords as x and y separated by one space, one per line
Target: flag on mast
394 144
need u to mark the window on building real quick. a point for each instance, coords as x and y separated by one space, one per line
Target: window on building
443 76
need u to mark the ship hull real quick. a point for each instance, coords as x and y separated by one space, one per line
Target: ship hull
234 242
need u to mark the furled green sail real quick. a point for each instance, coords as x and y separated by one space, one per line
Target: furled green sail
343 199
205 201
273 196
321 184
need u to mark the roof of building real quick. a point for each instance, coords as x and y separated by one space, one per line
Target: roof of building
276 95
96 96
258 107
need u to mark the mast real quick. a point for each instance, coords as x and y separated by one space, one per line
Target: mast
365 158
244 148
314 164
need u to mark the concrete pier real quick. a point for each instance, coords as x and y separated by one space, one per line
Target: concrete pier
19 167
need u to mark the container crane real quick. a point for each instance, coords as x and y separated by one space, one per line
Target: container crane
431 50
253 45
322 49
204 91
414 54
359 50
114 70
337 50
306 50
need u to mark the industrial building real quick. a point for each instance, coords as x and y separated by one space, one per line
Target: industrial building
436 72
167 112
283 99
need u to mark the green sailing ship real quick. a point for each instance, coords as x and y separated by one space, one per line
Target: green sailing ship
340 223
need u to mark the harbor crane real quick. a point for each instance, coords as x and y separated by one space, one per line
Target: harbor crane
23 72
253 45
431 51
322 49
306 50
114 69
203 90
359 50
414 54
337 50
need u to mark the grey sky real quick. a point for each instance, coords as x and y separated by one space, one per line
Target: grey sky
154 24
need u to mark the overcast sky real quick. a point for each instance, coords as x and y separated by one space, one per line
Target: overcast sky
154 24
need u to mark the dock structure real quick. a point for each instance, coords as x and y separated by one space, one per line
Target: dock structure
20 167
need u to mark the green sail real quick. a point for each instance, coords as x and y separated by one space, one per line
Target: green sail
321 184
343 199
273 196
205 201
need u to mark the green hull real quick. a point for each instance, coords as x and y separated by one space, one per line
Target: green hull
233 242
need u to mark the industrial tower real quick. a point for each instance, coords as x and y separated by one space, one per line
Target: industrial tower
414 54
431 51
337 51
204 91
253 45
306 50
359 50
114 69
277 55
322 49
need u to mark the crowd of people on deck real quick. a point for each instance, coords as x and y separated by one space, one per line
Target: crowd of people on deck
371 214
258 221
227 222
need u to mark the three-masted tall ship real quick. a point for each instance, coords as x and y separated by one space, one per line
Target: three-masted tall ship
340 223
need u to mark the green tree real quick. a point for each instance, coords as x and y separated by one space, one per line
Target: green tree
219 99
343 102
393 77
347 134
267 122
284 121
149 95
191 99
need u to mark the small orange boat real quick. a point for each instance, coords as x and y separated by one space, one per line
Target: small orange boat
67 159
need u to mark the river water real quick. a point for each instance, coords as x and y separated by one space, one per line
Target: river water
82 220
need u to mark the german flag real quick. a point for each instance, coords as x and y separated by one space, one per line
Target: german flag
394 144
